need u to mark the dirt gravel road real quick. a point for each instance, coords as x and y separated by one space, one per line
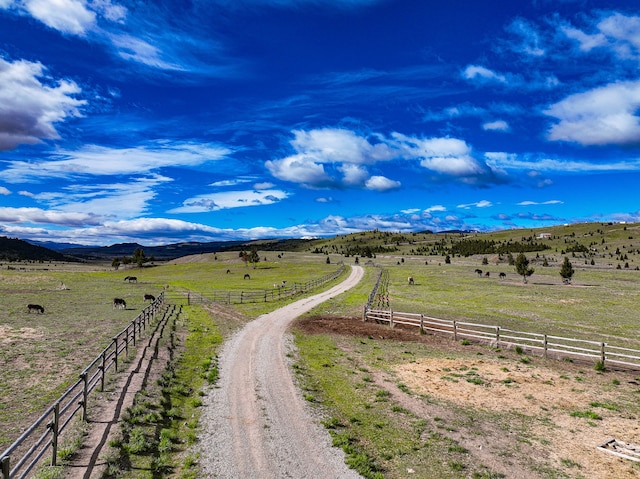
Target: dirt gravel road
256 424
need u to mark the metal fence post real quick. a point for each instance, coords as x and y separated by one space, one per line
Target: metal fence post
498 336
545 342
602 355
455 331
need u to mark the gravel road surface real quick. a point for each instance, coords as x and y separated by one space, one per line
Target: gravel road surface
256 424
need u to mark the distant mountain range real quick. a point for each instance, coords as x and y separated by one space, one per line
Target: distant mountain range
12 249
17 250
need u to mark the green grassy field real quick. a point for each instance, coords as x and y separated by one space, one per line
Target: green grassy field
42 354
599 304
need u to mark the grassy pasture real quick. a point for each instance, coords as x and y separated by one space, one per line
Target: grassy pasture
42 354
600 302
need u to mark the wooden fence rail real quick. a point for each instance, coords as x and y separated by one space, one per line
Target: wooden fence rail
542 344
254 296
42 437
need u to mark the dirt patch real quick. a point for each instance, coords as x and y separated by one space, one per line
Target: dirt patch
531 416
8 334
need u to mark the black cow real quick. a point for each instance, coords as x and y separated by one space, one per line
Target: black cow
149 297
246 276
131 279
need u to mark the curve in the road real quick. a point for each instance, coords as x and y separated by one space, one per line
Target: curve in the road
256 423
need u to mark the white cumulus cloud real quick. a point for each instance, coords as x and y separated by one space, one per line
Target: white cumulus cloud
29 107
605 115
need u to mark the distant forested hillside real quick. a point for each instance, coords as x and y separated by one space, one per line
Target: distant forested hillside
12 249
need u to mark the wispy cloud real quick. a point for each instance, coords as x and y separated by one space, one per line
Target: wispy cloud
49 217
478 72
478 204
539 203
96 160
497 125
229 199
509 161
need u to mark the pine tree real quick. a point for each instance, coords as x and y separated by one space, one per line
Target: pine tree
566 270
522 267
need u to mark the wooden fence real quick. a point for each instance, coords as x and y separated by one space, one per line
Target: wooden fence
42 437
254 296
542 344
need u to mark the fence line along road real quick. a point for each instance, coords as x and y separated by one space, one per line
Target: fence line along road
253 296
42 437
542 344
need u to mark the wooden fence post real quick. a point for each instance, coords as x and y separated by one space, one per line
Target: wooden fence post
498 336
115 352
455 331
5 467
102 369
545 343
126 342
391 318
422 323
85 395
54 433
188 298
602 355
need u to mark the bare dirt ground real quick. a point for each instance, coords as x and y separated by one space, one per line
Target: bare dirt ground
519 415
105 414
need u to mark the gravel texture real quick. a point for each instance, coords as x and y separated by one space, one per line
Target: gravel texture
255 422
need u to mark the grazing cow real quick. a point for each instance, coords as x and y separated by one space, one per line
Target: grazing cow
148 297
131 279
486 275
228 271
119 303
246 276
479 272
503 275
410 280
35 308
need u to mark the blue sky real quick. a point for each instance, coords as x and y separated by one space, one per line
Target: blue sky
206 120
